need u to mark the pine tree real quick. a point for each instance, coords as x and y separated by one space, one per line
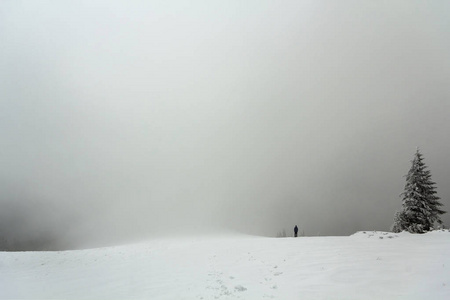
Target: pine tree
420 205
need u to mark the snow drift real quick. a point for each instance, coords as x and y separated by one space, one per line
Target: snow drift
366 265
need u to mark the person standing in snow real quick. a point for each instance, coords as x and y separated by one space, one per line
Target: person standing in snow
295 230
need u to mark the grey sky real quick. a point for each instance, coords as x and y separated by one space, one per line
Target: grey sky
124 118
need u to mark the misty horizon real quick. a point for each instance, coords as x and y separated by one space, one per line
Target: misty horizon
130 120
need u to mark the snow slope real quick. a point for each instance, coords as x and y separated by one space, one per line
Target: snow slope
366 265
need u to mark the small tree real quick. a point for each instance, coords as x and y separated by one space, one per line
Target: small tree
282 234
420 205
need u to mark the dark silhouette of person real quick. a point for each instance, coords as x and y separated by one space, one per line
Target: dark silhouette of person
295 230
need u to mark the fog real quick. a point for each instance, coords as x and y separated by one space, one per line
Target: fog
122 120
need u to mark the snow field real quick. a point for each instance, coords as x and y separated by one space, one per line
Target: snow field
366 265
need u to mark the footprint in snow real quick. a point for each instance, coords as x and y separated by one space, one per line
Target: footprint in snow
240 288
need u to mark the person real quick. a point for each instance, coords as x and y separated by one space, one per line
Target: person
295 230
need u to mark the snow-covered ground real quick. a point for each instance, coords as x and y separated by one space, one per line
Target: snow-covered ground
366 265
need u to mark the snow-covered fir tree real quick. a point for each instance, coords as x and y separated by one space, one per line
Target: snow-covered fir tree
420 205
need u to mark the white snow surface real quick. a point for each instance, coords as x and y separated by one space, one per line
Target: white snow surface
366 265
